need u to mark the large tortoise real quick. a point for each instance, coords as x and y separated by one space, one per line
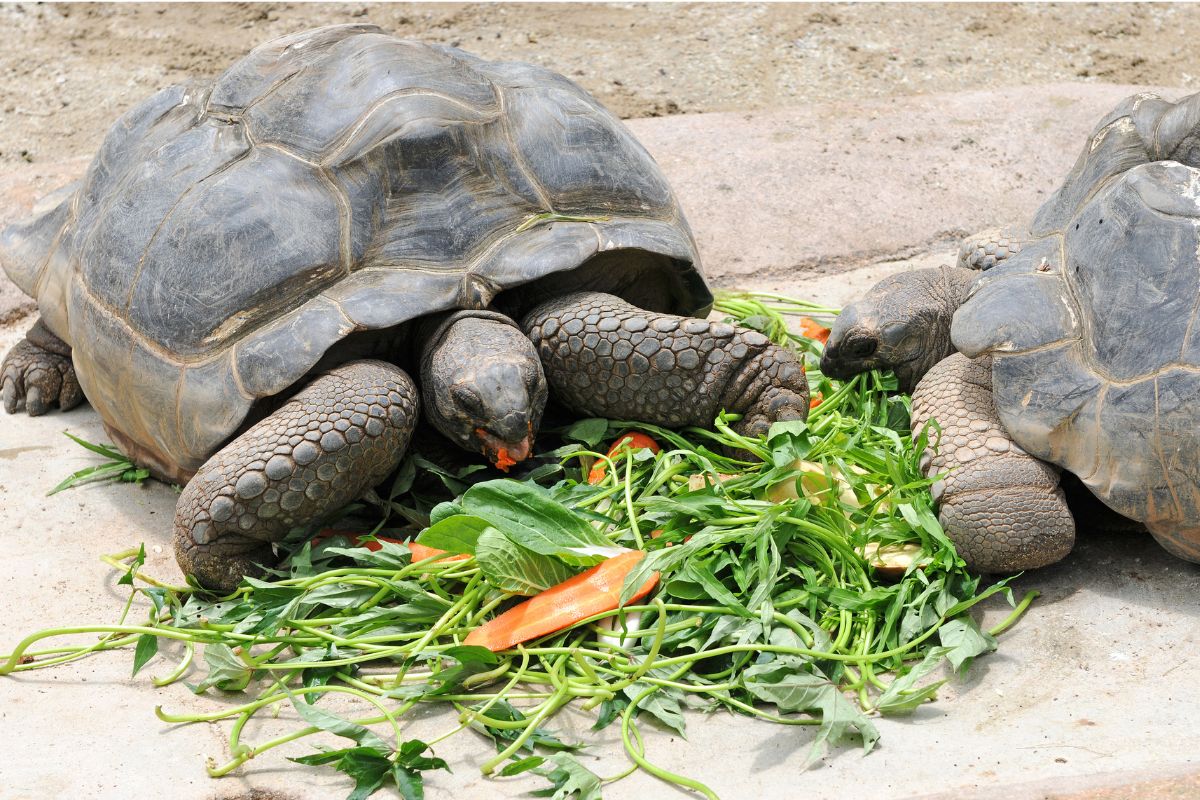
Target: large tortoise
1079 349
249 267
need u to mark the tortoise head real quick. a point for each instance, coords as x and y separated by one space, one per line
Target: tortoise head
901 324
482 385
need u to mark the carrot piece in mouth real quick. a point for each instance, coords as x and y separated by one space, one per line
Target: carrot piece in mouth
635 441
814 330
591 592
504 460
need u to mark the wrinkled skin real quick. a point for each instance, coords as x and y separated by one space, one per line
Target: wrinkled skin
1001 507
37 374
484 386
901 324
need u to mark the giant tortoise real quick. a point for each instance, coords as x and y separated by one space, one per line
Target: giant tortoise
1078 348
241 280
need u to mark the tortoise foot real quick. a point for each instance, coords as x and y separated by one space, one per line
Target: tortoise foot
37 374
334 440
1002 508
605 357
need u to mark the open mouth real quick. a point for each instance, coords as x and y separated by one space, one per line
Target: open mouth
501 453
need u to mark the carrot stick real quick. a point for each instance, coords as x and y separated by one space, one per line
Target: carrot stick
420 552
591 592
814 330
635 441
816 400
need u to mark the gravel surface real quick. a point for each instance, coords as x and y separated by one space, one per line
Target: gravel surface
69 70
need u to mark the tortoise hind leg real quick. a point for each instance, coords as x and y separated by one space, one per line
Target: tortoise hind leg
1002 508
605 357
37 373
337 438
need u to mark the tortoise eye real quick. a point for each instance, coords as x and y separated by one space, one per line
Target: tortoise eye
467 400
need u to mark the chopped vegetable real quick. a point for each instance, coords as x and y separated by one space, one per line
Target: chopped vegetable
633 441
814 330
420 552
784 610
589 593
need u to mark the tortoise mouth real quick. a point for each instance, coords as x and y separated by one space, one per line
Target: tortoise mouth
504 454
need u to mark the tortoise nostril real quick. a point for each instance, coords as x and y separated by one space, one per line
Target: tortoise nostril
861 348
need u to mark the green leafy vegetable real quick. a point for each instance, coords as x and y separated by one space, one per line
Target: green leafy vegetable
767 609
116 468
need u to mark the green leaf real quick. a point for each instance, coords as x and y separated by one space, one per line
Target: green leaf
471 659
527 514
522 765
226 671
319 718
106 450
568 777
610 710
789 441
701 574
515 569
503 711
127 578
443 510
663 703
787 683
455 534
147 647
590 431
903 696
530 515
368 766
965 640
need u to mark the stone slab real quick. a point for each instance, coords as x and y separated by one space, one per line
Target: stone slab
823 187
1093 693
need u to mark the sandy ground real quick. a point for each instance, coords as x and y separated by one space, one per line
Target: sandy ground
66 71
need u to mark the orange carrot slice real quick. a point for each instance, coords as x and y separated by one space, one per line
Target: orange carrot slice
635 440
420 552
816 400
591 592
814 330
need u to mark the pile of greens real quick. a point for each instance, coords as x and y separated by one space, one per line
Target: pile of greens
777 609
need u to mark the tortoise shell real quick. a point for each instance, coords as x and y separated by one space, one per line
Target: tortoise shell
1094 328
333 181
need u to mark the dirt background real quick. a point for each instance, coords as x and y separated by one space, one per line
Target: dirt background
67 71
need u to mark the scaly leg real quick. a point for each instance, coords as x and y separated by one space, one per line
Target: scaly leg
337 438
605 357
1002 508
37 373
990 248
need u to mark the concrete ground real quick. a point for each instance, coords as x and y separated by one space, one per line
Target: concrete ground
1091 695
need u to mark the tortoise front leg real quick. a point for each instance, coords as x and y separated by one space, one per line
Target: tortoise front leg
605 357
991 248
37 373
337 438
1002 508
